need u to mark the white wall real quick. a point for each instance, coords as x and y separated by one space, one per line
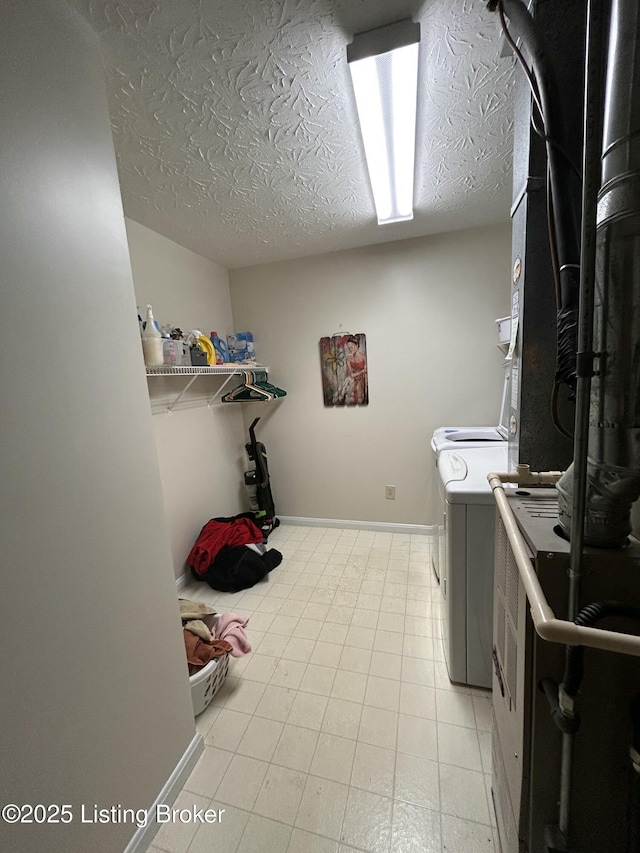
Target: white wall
428 308
95 698
200 450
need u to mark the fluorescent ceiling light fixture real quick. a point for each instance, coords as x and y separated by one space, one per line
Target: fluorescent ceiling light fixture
384 71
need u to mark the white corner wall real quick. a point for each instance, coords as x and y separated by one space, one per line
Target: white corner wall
200 450
427 307
95 698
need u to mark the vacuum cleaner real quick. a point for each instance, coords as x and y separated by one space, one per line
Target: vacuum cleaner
258 485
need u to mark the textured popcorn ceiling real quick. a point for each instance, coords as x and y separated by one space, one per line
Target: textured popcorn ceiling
235 127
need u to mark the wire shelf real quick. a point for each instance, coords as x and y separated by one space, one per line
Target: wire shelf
227 370
210 369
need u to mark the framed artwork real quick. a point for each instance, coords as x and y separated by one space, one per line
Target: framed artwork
343 362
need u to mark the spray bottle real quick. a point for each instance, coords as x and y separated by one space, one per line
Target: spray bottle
152 344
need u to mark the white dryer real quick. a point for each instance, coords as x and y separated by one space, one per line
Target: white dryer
466 572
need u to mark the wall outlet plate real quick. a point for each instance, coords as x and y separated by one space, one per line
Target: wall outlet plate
390 493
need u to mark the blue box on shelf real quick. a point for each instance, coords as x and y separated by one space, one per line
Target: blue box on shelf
241 347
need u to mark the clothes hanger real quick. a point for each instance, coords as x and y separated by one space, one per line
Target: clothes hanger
254 388
260 381
248 390
272 389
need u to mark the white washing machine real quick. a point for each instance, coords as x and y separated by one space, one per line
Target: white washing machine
446 439
466 570
467 438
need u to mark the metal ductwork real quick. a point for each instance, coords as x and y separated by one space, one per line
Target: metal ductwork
613 463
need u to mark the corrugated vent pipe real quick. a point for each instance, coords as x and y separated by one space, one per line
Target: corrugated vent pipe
613 466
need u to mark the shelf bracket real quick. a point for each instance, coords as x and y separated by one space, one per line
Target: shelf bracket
218 393
184 391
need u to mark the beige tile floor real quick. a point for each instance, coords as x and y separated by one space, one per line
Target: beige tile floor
340 731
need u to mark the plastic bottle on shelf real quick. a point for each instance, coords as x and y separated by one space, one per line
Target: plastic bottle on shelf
222 353
152 343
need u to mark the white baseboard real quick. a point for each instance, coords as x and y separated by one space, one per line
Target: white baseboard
182 581
144 835
376 526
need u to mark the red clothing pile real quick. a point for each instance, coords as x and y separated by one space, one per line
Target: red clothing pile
216 535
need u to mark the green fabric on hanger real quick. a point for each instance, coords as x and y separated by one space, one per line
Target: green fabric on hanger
253 389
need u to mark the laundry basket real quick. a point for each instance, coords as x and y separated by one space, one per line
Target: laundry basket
206 683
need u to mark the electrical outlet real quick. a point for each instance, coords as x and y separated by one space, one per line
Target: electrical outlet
390 493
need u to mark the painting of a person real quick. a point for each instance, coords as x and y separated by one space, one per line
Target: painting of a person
344 370
357 392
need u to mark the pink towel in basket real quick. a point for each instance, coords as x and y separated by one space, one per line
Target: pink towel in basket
230 627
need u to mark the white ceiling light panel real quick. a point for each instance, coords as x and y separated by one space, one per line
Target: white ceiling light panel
384 71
